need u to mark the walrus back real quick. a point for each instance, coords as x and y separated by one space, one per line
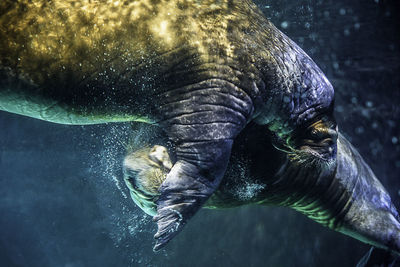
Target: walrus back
75 62
80 62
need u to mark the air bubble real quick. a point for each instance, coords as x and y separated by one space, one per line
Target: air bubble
249 191
340 109
395 140
286 99
359 130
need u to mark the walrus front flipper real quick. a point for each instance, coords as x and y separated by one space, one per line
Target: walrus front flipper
371 216
202 120
188 185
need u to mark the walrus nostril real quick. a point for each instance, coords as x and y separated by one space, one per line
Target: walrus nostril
160 156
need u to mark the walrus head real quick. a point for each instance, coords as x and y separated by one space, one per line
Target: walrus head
144 171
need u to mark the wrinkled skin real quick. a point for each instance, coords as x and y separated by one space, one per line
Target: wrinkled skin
350 200
202 71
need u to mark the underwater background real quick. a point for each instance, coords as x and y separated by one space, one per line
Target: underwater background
63 201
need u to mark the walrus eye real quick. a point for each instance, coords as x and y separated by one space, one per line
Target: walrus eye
319 138
130 173
130 177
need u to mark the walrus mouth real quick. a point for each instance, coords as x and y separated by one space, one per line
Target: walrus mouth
134 188
143 199
144 171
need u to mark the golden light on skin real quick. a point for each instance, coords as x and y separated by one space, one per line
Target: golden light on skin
162 25
49 40
59 28
208 30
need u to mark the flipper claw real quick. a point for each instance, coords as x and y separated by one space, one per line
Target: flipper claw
169 222
181 196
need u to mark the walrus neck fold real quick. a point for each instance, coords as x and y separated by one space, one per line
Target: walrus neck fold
310 189
343 195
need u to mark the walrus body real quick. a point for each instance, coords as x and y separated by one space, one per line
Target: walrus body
202 71
350 200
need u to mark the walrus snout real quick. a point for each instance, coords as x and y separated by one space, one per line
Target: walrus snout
371 216
376 227
144 171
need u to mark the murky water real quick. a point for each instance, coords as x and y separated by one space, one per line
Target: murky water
63 201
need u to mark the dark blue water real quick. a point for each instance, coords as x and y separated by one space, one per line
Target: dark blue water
63 201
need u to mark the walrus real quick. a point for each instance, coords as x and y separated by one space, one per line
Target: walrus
202 71
350 200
